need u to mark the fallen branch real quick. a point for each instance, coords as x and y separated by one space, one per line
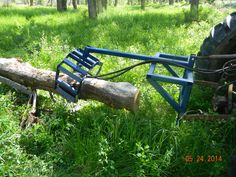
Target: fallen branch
31 117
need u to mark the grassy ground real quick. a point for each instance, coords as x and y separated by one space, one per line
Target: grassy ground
98 140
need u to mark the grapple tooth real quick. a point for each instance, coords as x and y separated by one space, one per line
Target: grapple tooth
76 66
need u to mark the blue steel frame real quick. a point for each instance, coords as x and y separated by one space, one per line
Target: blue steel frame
185 81
81 67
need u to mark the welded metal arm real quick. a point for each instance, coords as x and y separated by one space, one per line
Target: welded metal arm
185 81
162 58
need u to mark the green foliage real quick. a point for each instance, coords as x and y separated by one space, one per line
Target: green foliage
97 140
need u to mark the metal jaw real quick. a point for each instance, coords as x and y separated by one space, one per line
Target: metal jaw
76 66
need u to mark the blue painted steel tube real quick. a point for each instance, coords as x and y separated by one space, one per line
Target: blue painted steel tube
160 59
167 60
164 94
85 59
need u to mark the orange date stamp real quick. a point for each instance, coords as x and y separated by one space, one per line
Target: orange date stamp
202 158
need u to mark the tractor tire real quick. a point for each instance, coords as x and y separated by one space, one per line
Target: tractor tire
222 40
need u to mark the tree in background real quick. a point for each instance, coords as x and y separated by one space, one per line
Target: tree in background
6 3
92 10
95 7
143 4
61 5
26 2
116 3
74 3
171 2
194 9
99 7
31 2
49 3
104 4
130 2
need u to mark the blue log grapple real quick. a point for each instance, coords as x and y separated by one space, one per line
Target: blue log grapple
78 63
77 66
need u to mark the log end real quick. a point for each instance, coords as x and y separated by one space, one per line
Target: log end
136 101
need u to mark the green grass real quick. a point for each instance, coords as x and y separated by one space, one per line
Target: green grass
98 140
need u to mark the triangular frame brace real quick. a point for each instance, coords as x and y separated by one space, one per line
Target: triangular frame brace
185 81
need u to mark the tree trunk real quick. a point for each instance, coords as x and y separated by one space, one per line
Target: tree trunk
104 4
130 2
92 8
171 2
99 6
74 3
31 2
6 3
194 9
49 3
116 3
143 4
61 5
117 95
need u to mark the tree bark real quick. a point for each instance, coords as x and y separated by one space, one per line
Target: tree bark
74 3
143 4
6 3
99 6
130 2
49 3
92 8
209 117
116 3
171 2
104 4
31 2
61 5
194 9
117 95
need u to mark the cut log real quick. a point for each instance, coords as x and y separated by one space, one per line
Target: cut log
117 95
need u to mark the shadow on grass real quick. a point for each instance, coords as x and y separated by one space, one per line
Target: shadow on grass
27 12
114 31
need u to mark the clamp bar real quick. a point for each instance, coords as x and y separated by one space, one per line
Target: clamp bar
76 67
163 58
185 81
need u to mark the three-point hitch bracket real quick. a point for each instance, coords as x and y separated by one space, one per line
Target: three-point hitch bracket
80 62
